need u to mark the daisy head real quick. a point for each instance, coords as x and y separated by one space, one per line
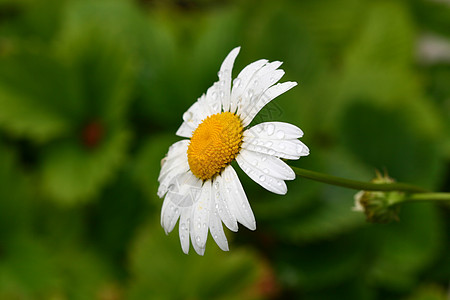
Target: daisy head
197 181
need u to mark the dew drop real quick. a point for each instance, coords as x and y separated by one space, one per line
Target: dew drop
270 129
219 73
271 152
237 82
262 178
249 93
299 149
187 116
263 158
282 146
214 95
204 225
280 134
215 236
198 240
266 171
268 144
222 94
199 225
258 129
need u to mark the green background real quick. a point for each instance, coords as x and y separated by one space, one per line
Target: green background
92 93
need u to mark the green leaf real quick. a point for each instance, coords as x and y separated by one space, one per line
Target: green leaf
392 139
15 197
35 96
100 56
405 248
72 173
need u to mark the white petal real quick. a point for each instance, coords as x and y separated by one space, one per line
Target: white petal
241 82
192 117
222 206
265 98
271 165
169 176
260 82
268 182
200 219
184 228
216 229
225 78
274 131
289 149
236 198
182 192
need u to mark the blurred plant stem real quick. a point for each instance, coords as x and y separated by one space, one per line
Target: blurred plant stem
361 185
427 197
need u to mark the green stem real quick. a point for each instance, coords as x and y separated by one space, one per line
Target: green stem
355 184
428 197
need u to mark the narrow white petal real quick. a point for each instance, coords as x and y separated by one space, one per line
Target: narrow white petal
268 164
236 198
263 79
200 219
185 130
221 203
241 82
265 98
268 182
172 174
289 149
193 116
184 228
225 78
274 131
182 192
216 229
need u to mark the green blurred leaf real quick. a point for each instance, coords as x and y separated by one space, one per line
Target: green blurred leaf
35 96
72 173
390 139
100 55
403 249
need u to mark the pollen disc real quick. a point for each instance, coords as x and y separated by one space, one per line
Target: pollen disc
214 144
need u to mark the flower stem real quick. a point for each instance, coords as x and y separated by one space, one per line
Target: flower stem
428 197
359 185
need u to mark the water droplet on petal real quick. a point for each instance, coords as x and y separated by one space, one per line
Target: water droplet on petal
270 129
187 116
266 171
262 178
198 240
249 93
268 144
237 82
214 95
183 226
280 134
271 152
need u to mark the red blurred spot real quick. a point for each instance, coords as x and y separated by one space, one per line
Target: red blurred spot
92 134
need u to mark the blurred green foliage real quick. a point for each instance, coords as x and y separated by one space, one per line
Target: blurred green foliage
92 92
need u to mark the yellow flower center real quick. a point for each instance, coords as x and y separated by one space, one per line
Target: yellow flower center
214 144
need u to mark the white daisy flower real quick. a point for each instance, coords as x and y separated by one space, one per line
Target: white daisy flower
200 186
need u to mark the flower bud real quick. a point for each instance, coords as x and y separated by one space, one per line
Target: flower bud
379 206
